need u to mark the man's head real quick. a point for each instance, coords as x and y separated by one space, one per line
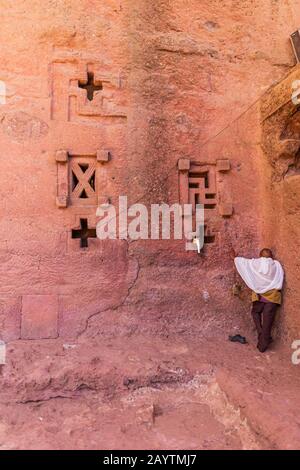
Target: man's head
266 253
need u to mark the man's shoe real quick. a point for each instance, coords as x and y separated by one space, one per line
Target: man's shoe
238 339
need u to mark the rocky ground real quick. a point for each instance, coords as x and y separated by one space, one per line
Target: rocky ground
148 393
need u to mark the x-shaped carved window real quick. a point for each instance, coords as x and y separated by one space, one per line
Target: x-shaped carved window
78 177
83 180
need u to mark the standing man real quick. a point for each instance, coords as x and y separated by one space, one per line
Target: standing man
264 276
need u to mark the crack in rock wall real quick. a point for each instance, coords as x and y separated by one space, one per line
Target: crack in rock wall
176 76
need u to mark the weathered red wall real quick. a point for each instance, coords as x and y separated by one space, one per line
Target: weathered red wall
181 73
280 160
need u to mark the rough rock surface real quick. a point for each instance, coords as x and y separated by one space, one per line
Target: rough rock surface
180 79
186 72
148 393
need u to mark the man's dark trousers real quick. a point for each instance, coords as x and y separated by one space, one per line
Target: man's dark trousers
263 314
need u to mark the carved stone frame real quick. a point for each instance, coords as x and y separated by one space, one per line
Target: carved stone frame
62 157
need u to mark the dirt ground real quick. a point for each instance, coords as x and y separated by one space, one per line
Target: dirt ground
149 393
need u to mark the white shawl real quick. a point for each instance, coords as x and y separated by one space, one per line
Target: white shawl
260 274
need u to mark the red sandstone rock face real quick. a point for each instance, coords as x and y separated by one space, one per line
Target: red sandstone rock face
170 77
126 332
281 144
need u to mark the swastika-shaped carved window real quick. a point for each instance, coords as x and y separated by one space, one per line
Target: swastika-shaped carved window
204 183
202 190
202 187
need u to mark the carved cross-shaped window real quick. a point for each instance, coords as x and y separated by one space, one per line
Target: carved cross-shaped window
91 86
84 233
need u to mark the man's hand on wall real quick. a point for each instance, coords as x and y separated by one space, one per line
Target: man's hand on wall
232 253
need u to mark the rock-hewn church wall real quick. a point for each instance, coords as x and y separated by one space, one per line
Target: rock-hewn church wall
136 98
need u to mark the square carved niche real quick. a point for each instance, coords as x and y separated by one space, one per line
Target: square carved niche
78 178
